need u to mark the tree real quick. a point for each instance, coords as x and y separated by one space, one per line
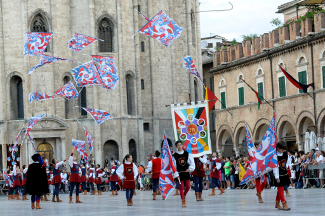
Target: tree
276 22
249 37
234 42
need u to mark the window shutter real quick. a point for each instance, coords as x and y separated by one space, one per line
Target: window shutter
260 90
223 100
241 96
302 77
282 86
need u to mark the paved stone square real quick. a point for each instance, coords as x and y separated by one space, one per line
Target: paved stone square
233 202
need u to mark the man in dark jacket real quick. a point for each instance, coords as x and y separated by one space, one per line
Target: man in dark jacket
37 183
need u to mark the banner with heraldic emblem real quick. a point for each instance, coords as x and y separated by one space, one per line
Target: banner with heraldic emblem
191 127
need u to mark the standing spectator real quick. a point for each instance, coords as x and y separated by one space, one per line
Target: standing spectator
223 182
227 168
92 160
110 162
207 175
106 163
320 160
64 180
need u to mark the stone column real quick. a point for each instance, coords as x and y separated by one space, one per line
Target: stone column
237 151
140 144
63 153
301 146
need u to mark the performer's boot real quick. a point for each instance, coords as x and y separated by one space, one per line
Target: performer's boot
38 205
112 193
197 196
287 193
45 198
77 200
131 202
285 206
116 192
92 192
135 193
260 200
24 197
183 203
17 197
58 199
221 191
154 196
33 205
70 201
277 205
128 203
176 192
42 199
200 196
158 192
213 192
53 198
85 192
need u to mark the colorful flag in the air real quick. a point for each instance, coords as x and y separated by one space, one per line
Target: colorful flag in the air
39 96
265 157
90 139
14 147
32 122
107 70
299 85
241 171
190 66
209 96
79 41
36 43
258 96
45 59
31 140
98 115
250 146
81 148
86 75
7 179
167 172
68 91
162 28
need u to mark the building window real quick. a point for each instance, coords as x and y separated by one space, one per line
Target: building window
142 84
39 24
83 101
17 97
323 75
139 8
196 96
105 32
130 94
146 127
142 46
302 77
223 100
282 86
260 89
241 96
212 84
210 45
67 103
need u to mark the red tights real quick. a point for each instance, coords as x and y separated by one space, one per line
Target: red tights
260 187
187 185
280 194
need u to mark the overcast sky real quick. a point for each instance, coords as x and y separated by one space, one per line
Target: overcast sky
248 16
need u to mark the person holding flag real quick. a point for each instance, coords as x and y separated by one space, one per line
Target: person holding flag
16 182
215 174
154 167
198 175
261 181
56 180
184 165
75 179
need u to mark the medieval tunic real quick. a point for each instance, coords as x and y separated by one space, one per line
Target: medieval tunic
199 166
15 177
184 161
154 167
24 176
36 183
57 173
215 163
91 175
281 171
128 172
99 174
75 169
83 177
114 176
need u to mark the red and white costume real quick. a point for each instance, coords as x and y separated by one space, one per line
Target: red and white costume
99 174
83 177
91 175
114 177
25 176
75 170
154 167
16 177
128 172
57 173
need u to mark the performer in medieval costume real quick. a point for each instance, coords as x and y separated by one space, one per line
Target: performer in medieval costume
113 179
128 172
25 169
16 182
74 177
281 177
215 174
198 175
154 167
56 180
259 185
83 178
36 184
10 185
91 178
184 165
98 181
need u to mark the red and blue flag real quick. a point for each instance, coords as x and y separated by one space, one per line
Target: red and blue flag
7 179
36 43
79 41
86 75
81 148
39 96
45 59
250 146
98 115
190 66
68 91
168 171
107 70
31 140
162 28
14 147
90 139
32 122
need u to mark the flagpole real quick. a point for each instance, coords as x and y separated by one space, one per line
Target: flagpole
225 107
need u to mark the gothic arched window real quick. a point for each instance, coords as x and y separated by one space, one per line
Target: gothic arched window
130 94
39 24
105 32
17 98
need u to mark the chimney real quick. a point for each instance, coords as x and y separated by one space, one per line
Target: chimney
231 53
274 38
265 41
319 22
239 51
294 30
247 48
306 26
283 34
216 58
223 56
256 45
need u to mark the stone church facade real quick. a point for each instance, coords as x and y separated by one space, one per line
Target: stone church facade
151 75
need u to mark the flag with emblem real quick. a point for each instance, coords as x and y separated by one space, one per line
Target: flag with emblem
45 59
68 91
80 146
98 115
79 41
86 75
36 43
90 139
39 96
14 147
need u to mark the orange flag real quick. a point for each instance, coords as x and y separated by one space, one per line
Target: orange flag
210 96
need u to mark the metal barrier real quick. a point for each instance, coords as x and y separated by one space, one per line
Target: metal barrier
3 186
311 172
